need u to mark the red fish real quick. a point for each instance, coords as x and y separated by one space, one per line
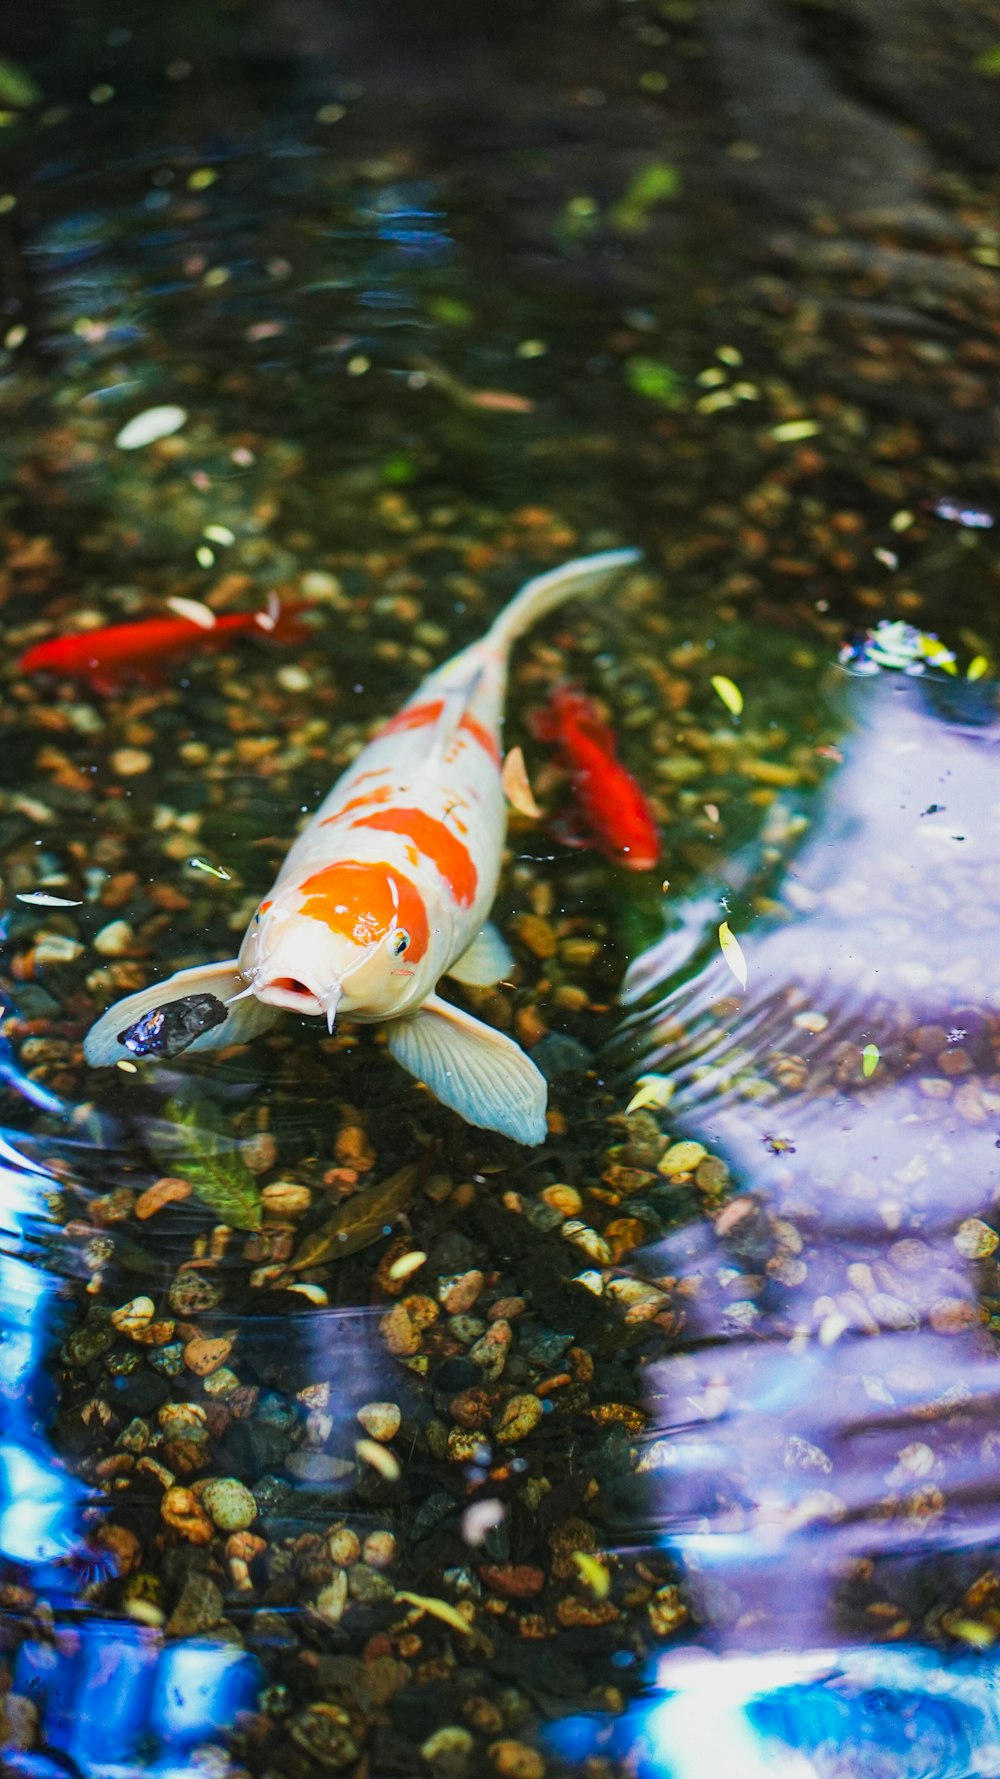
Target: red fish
109 657
615 811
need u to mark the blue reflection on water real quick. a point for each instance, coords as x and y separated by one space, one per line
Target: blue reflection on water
821 1457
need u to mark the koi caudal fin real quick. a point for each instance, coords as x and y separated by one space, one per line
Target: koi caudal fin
581 578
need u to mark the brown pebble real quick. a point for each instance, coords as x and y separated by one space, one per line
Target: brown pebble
183 1512
515 1760
537 935
459 1294
129 762
514 1581
205 1356
399 1333
519 1417
167 1191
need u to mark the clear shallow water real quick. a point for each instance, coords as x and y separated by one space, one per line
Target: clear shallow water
446 304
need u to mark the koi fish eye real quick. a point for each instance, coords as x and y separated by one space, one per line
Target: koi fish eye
400 943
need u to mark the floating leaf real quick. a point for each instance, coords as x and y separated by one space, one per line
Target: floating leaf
651 1090
448 1614
732 951
16 85
869 1060
407 1264
655 184
385 1462
790 430
199 864
730 694
194 610
977 667
42 899
359 1221
147 427
593 1574
654 379
516 787
196 1143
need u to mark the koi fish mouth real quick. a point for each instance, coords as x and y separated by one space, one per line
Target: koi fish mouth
294 996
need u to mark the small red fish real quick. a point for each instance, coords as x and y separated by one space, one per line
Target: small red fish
106 659
607 797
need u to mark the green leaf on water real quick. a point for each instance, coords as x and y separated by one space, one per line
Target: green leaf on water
16 86
869 1060
988 60
656 184
732 951
730 694
654 379
197 1145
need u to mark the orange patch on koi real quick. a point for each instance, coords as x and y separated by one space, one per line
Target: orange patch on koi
382 795
436 842
361 901
414 716
479 732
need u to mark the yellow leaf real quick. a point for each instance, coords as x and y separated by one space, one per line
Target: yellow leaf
731 695
386 1463
516 788
593 1574
869 1060
977 667
733 953
449 1615
651 1090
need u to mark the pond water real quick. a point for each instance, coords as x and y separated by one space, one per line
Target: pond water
336 1434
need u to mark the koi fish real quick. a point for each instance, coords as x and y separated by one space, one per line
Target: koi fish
108 657
607 797
388 888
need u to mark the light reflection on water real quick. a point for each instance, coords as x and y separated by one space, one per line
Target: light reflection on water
822 1455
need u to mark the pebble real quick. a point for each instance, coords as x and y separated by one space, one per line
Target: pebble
285 1198
318 1467
379 1549
380 1419
459 1293
204 1356
448 1750
519 1417
194 1292
681 1158
667 1611
115 939
324 1731
537 935
514 1581
344 1546
399 1333
564 1199
490 1351
136 1314
515 1760
230 1505
130 762
163 1192
199 1608
183 1512
331 1600
974 1239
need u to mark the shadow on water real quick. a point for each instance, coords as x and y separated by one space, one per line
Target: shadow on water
822 1455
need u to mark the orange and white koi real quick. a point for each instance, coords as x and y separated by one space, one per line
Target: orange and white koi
389 886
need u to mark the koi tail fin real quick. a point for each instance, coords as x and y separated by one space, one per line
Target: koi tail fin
584 577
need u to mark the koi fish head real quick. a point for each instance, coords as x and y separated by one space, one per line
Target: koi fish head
346 940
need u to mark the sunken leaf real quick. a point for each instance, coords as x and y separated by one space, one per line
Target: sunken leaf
359 1221
197 1144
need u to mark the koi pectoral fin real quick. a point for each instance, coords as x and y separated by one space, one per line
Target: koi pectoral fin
101 1046
486 961
481 1074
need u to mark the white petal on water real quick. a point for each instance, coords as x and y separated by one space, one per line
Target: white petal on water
42 899
150 425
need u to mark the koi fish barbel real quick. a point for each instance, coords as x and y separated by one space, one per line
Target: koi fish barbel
388 889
